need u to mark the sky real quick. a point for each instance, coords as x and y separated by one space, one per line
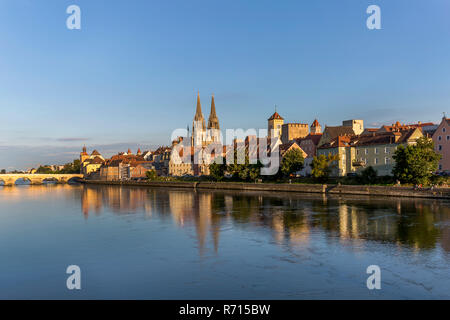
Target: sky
130 76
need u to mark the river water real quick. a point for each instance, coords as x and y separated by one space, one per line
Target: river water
143 243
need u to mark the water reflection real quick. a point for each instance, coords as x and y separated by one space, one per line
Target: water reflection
292 219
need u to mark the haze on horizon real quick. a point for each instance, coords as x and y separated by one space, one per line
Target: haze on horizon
130 76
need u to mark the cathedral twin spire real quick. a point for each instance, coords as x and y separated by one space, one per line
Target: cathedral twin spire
199 127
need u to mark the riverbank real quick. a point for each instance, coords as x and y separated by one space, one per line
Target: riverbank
390 191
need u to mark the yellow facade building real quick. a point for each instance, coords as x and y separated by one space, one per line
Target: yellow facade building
376 150
90 163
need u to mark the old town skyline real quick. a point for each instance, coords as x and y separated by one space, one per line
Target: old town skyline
70 153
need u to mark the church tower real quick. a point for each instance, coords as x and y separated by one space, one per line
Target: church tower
213 124
84 155
274 125
198 125
315 127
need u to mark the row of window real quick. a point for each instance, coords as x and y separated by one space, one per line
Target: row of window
376 161
440 138
375 150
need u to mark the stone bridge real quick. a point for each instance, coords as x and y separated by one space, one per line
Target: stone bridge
10 179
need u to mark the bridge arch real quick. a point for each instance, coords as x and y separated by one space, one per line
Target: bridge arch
74 180
50 180
21 181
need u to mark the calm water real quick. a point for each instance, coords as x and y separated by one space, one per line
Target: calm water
164 244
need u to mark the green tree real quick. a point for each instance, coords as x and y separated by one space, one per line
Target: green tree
322 165
292 162
369 175
217 169
44 170
3 171
255 171
244 171
416 163
76 166
151 175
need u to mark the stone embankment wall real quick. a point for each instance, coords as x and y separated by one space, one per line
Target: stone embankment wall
443 193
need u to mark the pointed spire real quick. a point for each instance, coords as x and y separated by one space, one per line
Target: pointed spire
213 121
198 112
213 108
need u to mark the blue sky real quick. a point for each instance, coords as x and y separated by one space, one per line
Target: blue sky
131 74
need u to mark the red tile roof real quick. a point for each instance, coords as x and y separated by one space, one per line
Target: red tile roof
276 116
400 127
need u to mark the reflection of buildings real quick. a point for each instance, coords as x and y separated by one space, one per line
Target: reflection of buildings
91 201
291 219
194 208
118 200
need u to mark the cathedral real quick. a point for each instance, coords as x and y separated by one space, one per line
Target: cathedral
203 135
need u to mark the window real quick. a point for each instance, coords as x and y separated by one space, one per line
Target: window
386 150
357 152
376 161
440 148
387 160
440 167
366 151
376 150
448 138
439 138
443 129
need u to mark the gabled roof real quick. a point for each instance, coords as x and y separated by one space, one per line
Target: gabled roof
286 146
315 123
333 132
95 153
314 137
376 138
407 134
276 116
95 160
